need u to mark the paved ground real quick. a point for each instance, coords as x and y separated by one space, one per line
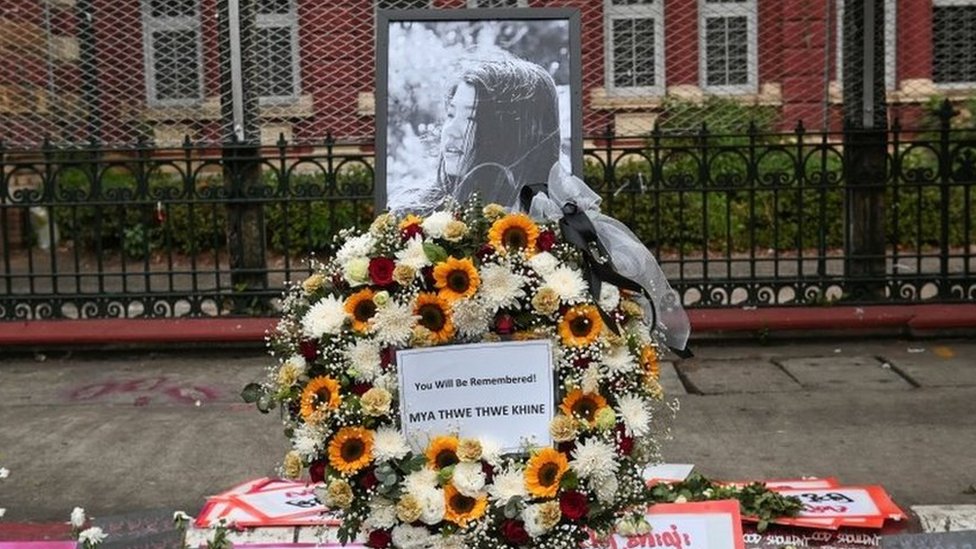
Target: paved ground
123 431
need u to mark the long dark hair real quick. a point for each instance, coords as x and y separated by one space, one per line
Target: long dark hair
515 133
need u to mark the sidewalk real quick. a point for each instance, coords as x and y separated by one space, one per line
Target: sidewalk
117 432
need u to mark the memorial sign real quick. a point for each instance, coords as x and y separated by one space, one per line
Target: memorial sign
498 391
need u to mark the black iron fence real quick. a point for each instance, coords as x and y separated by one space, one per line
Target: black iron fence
751 219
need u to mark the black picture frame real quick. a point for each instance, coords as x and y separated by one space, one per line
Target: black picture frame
392 151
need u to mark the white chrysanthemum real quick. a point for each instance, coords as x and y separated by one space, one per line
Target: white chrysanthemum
470 317
618 360
435 224
543 263
500 286
606 489
364 357
405 536
355 247
506 485
418 481
609 296
307 441
567 281
92 536
388 443
636 415
325 317
468 478
533 523
382 514
78 517
393 324
432 505
594 459
413 254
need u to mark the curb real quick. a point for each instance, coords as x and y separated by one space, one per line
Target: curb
904 320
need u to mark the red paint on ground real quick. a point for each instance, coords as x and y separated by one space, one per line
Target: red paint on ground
34 531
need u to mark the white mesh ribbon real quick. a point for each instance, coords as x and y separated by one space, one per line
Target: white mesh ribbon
630 258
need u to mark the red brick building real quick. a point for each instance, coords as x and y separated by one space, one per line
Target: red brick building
127 69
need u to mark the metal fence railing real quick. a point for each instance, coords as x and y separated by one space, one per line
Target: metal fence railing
748 219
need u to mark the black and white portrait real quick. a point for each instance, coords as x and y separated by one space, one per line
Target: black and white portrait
471 104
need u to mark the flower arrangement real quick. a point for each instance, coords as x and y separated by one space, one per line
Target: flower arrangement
468 274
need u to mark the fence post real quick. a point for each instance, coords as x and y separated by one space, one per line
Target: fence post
945 113
237 28
865 155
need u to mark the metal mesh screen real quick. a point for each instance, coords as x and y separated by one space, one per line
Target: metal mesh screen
120 71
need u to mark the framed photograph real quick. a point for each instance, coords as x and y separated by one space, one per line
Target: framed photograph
472 101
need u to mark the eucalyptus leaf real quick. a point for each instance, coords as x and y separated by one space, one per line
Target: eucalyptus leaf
251 393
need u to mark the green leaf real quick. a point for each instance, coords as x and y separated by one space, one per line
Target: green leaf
569 481
251 393
265 403
434 253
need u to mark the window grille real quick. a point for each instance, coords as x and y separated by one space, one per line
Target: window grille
954 42
727 46
635 46
173 52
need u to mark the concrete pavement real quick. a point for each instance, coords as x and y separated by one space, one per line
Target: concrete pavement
130 430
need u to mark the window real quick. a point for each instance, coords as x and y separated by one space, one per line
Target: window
172 45
402 4
890 38
276 51
954 42
727 58
498 3
634 31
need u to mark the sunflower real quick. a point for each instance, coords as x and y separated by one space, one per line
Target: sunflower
434 313
459 508
512 232
361 308
351 449
583 405
456 279
442 452
648 358
321 394
580 326
544 471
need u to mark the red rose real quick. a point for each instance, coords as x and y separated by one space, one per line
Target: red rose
504 324
624 443
387 357
573 505
489 472
514 532
309 349
381 270
379 539
582 362
545 241
411 231
359 389
484 252
428 273
368 480
316 471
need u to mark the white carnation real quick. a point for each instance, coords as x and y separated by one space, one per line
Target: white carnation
409 537
325 317
355 247
506 485
618 360
533 525
393 324
636 415
435 224
609 296
432 505
364 357
470 317
388 443
567 282
382 514
594 459
501 287
413 255
468 478
418 481
543 263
